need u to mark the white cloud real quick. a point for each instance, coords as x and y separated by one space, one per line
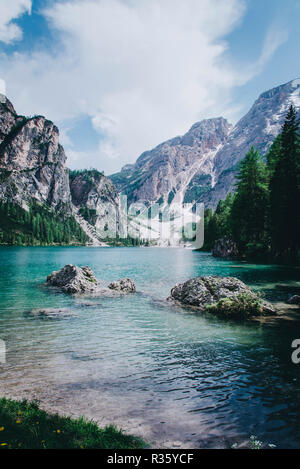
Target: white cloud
275 37
2 87
142 70
10 10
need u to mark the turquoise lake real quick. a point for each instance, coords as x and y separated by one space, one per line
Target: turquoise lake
175 377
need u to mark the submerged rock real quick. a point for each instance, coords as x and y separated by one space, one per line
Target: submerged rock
81 280
223 296
225 248
125 285
51 313
294 300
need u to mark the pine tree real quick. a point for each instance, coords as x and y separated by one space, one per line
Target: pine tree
285 191
249 207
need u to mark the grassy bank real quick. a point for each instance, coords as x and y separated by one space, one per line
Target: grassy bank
23 425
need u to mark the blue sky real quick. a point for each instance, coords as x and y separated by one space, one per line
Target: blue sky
120 76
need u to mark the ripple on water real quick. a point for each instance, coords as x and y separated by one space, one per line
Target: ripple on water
174 377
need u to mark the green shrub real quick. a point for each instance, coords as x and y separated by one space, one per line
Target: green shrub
243 306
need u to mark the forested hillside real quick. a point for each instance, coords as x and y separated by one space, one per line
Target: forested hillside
262 216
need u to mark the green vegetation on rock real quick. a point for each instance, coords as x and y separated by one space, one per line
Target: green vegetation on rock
243 306
88 174
89 214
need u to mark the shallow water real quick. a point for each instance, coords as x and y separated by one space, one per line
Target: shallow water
168 374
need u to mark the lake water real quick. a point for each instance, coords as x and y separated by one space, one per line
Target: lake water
165 373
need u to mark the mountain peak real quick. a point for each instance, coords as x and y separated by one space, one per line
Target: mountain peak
201 165
288 88
214 123
5 103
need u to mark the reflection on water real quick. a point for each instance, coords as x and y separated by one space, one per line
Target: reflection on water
174 377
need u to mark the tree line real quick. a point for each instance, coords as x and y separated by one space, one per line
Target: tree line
37 226
262 216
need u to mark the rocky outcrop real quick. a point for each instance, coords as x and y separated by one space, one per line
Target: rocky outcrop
294 300
201 165
73 279
225 248
81 280
125 285
32 162
218 295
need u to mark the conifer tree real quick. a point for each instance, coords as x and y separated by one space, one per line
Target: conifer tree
249 208
285 190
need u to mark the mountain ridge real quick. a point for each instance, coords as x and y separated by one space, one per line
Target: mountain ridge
157 173
199 166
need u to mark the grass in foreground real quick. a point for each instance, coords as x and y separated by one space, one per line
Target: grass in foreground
23 425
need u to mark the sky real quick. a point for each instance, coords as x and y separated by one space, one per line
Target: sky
118 77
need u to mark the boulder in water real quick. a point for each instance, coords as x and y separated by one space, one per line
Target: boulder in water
81 280
125 285
223 296
74 279
294 300
51 313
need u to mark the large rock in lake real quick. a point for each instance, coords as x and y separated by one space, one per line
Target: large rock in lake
224 296
73 279
81 280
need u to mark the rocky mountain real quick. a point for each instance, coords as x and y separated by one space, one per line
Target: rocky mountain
58 205
201 165
95 202
32 162
33 170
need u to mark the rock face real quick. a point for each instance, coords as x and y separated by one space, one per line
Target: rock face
96 200
32 162
203 292
125 285
201 165
168 171
294 300
225 248
33 168
81 280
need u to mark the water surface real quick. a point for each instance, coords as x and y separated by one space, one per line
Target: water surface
172 376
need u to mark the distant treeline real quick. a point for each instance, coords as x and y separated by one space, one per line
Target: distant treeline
262 216
37 226
87 174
